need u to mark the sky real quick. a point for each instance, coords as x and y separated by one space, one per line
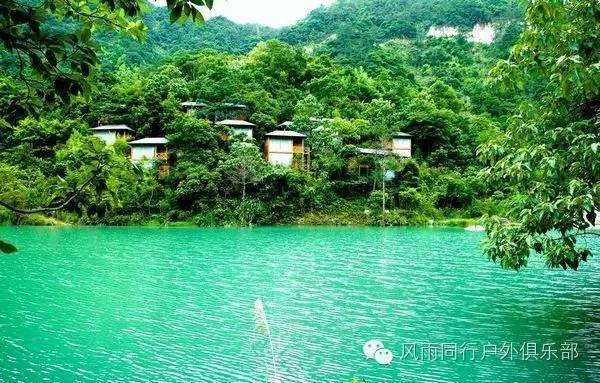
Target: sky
273 13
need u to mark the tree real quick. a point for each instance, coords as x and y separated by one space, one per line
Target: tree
85 163
327 145
243 167
308 107
444 97
279 61
14 190
53 39
547 163
195 184
437 133
387 165
194 140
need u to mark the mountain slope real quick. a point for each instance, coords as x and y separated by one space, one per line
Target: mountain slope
347 29
387 19
350 28
164 39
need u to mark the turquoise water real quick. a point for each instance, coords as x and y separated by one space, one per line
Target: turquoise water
176 305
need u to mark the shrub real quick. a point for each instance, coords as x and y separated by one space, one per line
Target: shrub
5 217
409 199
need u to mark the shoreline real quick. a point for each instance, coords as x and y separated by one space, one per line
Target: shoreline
470 224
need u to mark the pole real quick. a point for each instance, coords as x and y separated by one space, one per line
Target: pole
383 195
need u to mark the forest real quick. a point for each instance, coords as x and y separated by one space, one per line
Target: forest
348 76
349 30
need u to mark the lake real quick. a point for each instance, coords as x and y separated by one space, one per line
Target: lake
177 305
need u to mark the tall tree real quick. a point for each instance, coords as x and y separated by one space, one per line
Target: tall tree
244 167
548 162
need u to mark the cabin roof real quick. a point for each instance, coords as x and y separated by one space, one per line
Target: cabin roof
193 104
400 134
286 124
381 152
286 133
112 127
234 106
236 123
150 141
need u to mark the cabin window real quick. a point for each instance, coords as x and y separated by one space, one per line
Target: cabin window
402 144
142 152
281 145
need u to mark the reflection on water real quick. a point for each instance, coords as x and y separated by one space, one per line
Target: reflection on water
176 305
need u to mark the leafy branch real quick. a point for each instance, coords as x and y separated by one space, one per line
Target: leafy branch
64 58
7 247
62 204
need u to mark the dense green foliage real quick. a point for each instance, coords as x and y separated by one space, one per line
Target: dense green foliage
431 88
164 39
216 182
351 30
547 163
50 42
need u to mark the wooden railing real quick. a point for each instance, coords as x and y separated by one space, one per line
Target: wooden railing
162 156
301 160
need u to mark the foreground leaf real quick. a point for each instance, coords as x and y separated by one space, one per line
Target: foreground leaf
7 247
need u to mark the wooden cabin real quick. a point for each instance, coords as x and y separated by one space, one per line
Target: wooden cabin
239 127
230 110
149 151
190 107
111 133
286 148
402 145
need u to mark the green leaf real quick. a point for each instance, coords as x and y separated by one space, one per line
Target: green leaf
7 248
176 13
85 69
86 34
51 57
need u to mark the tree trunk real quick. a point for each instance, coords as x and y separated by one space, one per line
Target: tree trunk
244 191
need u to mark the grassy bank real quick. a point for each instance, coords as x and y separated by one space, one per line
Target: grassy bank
342 217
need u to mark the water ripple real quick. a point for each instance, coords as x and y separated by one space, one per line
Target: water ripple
176 305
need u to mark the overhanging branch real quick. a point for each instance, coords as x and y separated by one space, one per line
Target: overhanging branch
60 206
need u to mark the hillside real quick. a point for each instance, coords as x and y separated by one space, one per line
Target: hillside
388 19
164 39
349 29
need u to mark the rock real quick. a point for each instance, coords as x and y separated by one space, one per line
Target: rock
475 228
